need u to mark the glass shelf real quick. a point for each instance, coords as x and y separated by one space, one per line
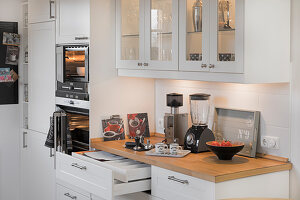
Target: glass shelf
131 35
221 30
162 33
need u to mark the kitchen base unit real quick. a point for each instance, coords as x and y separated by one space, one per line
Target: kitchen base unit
103 179
170 185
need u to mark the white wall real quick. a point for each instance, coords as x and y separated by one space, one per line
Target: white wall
272 100
295 102
9 122
111 94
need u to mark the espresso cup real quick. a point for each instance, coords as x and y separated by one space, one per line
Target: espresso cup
161 148
175 148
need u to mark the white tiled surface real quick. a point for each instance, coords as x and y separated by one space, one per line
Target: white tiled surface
272 100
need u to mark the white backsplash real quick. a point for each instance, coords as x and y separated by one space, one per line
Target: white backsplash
272 100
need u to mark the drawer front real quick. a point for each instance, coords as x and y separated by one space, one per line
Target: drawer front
63 193
88 176
171 185
124 170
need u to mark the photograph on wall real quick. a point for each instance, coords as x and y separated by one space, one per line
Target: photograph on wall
12 55
138 125
11 39
113 128
5 75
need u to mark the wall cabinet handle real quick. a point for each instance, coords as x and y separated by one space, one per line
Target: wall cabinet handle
52 3
78 166
24 140
211 66
172 178
81 38
204 65
70 196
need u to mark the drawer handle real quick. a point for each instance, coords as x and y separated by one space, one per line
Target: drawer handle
172 178
70 196
81 38
78 166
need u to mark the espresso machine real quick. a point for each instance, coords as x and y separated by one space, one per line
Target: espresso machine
197 136
175 123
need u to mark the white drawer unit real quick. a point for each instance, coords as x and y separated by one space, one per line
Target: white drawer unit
103 179
63 193
171 185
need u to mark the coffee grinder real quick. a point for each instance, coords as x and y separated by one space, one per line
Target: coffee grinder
197 136
175 123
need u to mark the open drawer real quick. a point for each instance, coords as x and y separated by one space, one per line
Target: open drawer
104 179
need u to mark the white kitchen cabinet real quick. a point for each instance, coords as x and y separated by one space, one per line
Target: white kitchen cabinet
37 168
170 185
147 34
41 11
216 44
103 179
41 76
247 52
72 21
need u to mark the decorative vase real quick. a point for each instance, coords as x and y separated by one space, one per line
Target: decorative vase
197 16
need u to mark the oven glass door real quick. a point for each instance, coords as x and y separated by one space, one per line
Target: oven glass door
76 64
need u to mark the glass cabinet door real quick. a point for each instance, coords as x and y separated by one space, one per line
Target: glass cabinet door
130 45
227 36
161 34
194 35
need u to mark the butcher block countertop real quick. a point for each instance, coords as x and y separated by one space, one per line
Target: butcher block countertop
202 165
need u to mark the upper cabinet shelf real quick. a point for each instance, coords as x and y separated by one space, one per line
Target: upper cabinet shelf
219 39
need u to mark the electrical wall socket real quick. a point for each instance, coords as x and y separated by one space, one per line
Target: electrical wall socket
270 142
161 123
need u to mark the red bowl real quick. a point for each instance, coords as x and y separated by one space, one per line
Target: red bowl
225 153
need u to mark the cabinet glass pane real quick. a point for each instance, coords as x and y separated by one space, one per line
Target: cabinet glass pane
226 30
194 30
161 30
130 20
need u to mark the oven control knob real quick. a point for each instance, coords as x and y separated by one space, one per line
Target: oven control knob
71 102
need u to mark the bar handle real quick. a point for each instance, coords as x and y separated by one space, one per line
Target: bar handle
52 3
172 178
24 140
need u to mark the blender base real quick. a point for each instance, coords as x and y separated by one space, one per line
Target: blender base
196 138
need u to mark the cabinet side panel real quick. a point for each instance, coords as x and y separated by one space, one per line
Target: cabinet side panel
267 41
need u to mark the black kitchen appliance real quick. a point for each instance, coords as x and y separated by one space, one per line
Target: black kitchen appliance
73 121
197 136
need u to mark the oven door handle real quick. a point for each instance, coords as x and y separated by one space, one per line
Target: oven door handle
60 76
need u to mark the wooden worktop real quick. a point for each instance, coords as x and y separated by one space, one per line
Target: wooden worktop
202 165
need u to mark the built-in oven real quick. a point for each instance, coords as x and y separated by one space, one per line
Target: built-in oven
72 63
71 129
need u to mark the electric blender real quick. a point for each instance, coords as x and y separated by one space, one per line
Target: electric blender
197 136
